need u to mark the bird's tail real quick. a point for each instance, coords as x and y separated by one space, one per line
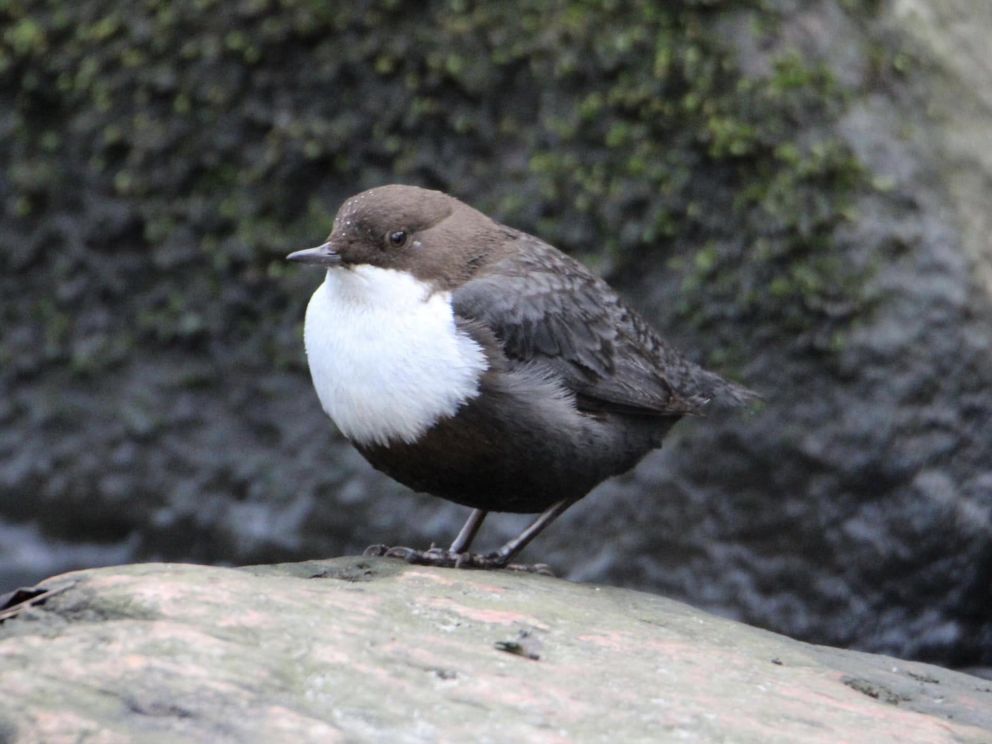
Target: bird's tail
714 390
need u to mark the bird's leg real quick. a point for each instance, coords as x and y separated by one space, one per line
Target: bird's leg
464 540
457 556
502 557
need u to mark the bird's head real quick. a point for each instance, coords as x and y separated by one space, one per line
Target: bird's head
427 233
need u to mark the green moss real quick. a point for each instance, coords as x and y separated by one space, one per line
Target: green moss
25 37
223 135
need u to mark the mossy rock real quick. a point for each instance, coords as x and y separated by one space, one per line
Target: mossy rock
175 152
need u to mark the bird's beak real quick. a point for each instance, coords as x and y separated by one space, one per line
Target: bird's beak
322 255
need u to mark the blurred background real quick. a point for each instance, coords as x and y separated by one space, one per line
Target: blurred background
796 193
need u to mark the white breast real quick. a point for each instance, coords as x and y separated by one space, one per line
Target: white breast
386 358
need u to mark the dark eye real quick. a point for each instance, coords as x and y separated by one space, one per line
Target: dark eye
397 238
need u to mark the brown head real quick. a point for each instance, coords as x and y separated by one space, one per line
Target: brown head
432 235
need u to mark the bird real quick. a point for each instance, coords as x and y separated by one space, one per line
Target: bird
478 363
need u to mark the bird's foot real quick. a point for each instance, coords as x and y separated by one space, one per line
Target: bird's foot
435 556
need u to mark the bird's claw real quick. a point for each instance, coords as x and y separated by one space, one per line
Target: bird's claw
447 559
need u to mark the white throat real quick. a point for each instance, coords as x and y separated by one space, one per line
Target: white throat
385 356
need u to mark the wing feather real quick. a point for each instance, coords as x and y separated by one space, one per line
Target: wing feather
544 307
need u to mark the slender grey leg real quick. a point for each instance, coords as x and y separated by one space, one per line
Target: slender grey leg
457 556
505 554
464 540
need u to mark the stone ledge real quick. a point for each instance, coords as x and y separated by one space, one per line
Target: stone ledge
362 649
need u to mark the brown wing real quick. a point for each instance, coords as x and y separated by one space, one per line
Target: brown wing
544 307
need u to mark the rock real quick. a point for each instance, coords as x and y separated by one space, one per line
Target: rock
360 649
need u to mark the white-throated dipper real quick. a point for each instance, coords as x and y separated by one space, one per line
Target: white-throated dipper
477 363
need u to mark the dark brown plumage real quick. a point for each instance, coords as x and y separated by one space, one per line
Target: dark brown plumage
575 385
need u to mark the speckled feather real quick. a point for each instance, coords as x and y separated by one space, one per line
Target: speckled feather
546 307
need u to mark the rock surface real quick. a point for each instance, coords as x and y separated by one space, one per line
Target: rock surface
356 649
